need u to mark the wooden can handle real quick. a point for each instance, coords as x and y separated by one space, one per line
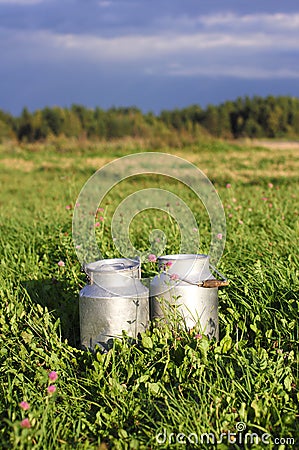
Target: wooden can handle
214 283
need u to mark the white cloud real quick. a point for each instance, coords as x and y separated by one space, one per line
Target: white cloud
243 72
104 3
232 23
253 32
146 47
231 20
213 50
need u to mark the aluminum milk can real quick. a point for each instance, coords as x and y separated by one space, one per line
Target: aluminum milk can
186 290
115 300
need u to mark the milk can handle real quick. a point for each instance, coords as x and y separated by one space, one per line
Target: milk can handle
214 283
207 283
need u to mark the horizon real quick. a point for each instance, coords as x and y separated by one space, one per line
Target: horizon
93 108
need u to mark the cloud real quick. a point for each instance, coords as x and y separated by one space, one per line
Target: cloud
20 2
237 71
228 21
105 51
134 47
104 3
253 46
123 17
269 21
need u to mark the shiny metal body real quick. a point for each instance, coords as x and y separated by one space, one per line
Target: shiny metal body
114 301
175 293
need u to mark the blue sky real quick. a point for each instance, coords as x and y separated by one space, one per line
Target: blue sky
154 54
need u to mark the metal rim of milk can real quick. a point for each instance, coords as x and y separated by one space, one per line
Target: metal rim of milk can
119 266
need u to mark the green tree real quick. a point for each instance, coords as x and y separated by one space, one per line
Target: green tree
210 120
52 119
25 127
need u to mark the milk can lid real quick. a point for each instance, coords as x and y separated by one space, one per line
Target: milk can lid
112 265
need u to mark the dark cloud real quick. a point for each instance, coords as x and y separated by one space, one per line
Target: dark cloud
152 54
118 17
63 85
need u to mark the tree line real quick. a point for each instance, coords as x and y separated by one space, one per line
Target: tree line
256 117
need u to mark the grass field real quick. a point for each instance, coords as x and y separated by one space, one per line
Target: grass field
144 395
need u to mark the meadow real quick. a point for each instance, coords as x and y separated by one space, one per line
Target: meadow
169 388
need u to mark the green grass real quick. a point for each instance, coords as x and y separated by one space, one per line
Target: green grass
166 382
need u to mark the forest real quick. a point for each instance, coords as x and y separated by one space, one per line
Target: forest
256 117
